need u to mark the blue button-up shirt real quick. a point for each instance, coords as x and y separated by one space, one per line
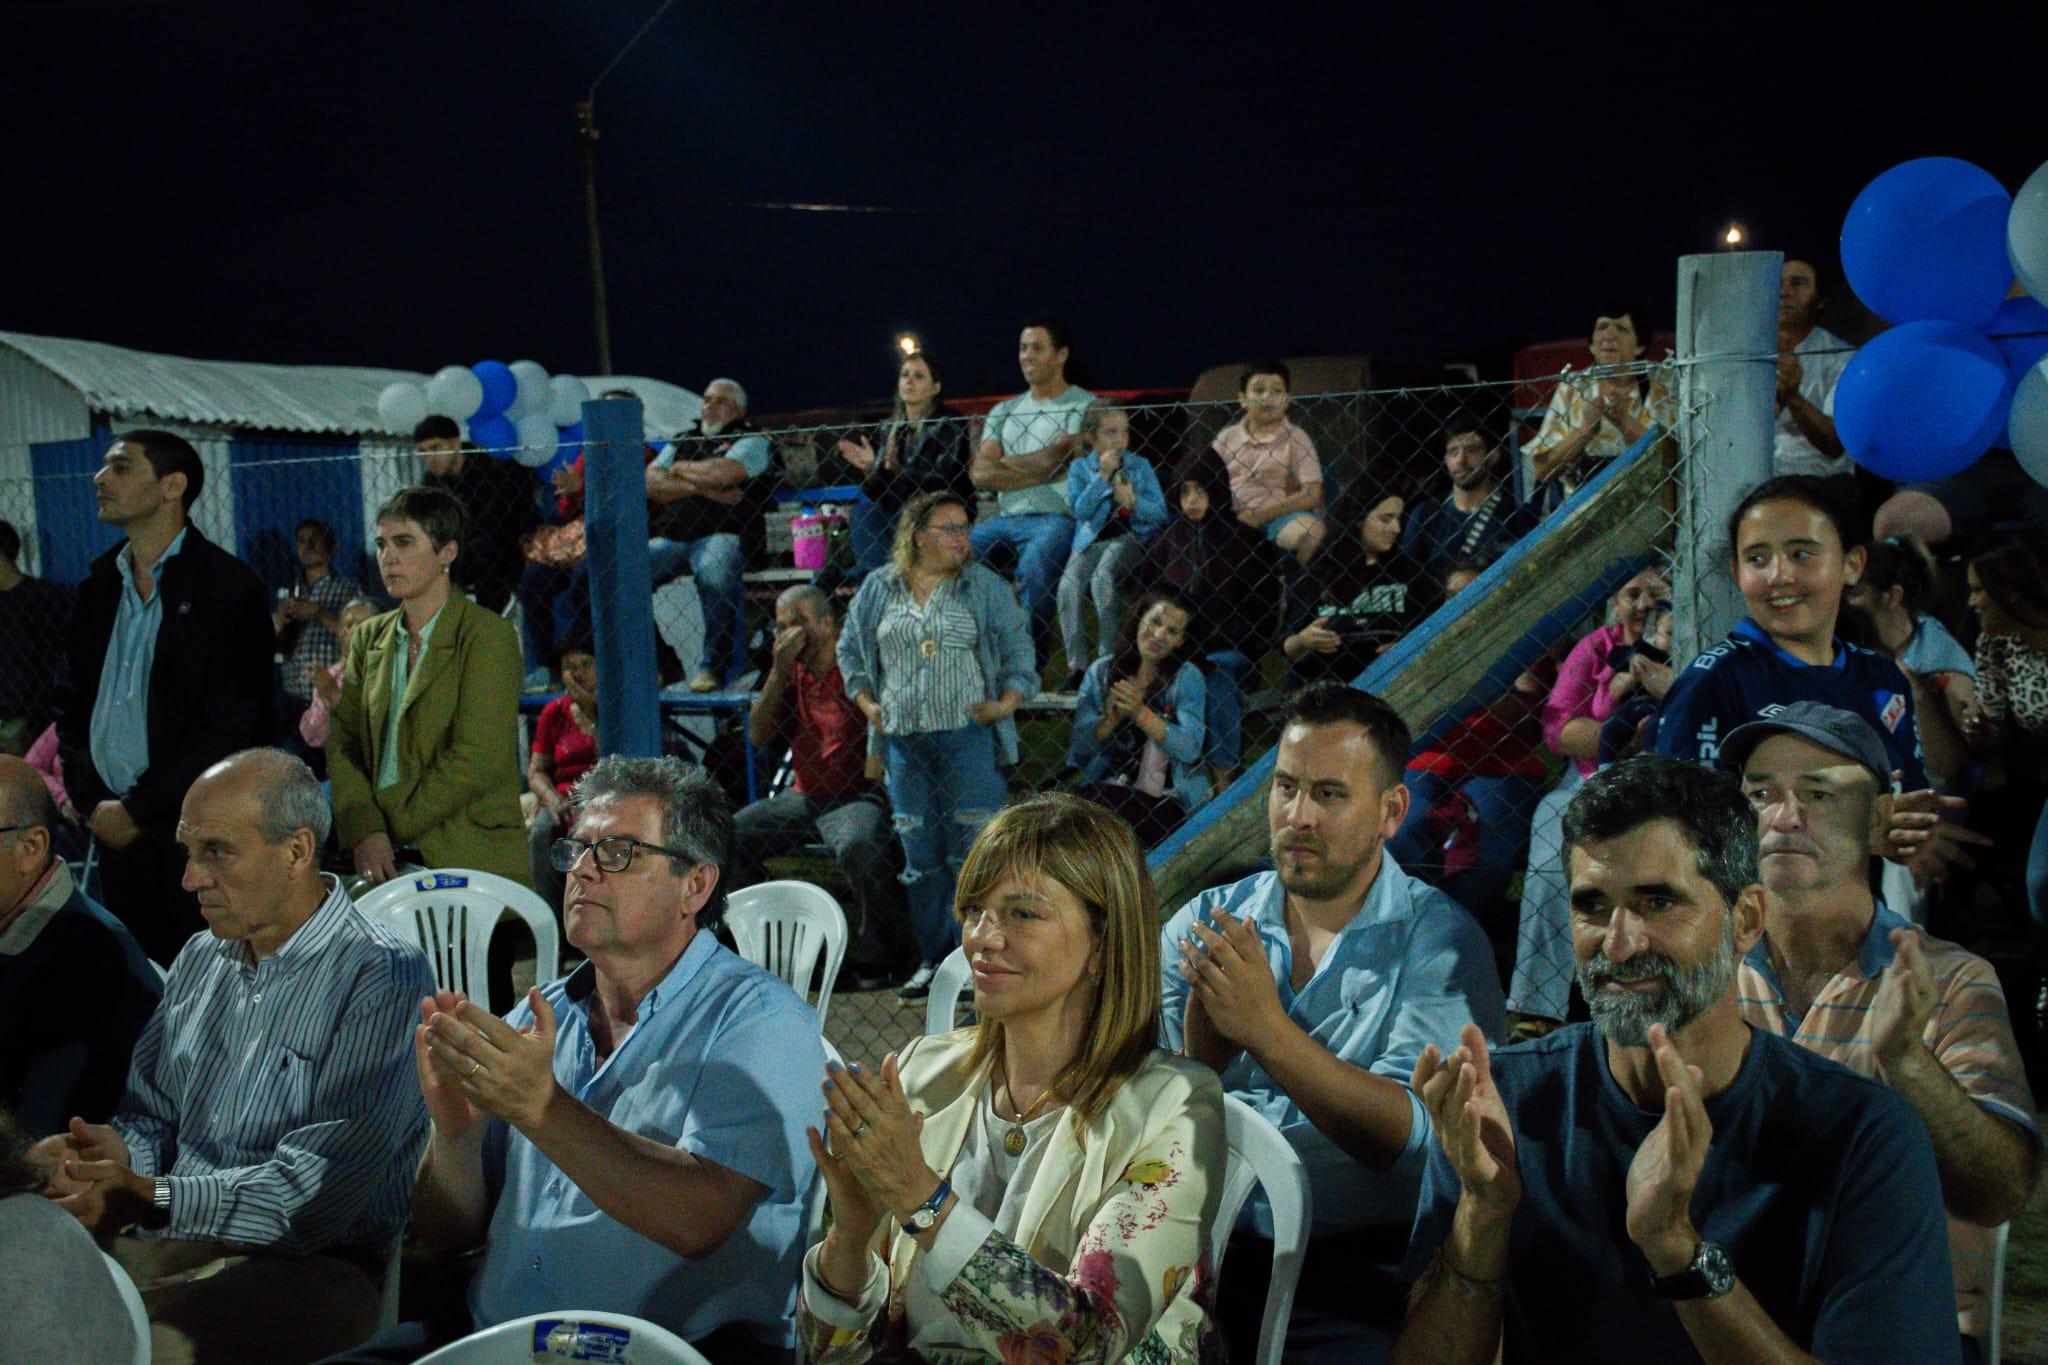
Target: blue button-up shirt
724 1062
281 1096
1410 969
118 734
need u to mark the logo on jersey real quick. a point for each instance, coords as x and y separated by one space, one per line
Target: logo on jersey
1891 710
1709 738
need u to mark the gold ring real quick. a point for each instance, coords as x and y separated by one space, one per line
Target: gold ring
475 1066
858 1131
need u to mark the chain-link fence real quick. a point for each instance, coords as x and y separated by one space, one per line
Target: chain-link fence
1269 540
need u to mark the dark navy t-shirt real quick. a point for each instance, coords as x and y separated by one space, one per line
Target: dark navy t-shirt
1746 674
1819 1183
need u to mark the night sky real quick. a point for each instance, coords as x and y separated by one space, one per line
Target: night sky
399 184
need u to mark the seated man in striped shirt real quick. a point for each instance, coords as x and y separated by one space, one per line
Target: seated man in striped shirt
259 1166
1845 976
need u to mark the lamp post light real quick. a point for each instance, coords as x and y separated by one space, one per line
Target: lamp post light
906 343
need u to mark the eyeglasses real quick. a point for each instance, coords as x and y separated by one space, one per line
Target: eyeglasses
950 528
16 829
614 852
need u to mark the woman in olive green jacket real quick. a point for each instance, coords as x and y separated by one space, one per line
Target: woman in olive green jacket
423 749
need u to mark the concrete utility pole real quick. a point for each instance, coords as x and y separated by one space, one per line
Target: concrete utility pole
586 134
1727 404
615 544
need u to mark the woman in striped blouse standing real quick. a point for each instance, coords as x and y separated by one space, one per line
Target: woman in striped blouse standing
937 654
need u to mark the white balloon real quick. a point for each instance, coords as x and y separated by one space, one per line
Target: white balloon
455 392
537 440
567 395
533 393
2028 425
401 406
2026 234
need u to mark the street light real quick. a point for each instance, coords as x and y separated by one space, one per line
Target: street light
1732 239
906 343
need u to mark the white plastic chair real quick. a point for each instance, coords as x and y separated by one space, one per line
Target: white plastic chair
387 1292
1259 1155
452 913
949 983
784 927
131 1298
1993 1339
814 1220
567 1334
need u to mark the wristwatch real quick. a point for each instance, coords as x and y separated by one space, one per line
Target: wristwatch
1710 1275
927 1213
160 1194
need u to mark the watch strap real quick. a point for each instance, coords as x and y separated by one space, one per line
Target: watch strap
1708 1276
927 1213
160 1194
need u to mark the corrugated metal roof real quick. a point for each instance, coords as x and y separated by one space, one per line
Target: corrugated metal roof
313 399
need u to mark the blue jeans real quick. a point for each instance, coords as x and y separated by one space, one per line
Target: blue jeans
546 595
1223 708
1502 808
1041 540
944 787
1545 963
714 561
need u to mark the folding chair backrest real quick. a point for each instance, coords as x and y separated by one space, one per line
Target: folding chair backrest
569 1334
1996 1306
1259 1155
787 928
452 913
949 983
138 1316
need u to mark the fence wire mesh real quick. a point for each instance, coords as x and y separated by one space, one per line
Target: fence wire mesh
1293 537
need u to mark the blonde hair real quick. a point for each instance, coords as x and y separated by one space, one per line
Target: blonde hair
903 551
1096 857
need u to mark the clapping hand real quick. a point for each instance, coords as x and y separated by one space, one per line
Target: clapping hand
1653 677
326 686
1905 999
1126 698
1471 1121
1320 638
450 1109
1790 373
871 1131
1667 1166
860 453
1910 823
1231 979
501 1071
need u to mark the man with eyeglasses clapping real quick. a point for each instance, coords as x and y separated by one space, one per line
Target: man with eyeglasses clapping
630 1139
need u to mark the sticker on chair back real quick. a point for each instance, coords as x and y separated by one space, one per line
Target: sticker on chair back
439 881
568 1339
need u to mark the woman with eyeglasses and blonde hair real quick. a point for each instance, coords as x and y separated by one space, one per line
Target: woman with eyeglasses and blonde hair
937 655
1040 1185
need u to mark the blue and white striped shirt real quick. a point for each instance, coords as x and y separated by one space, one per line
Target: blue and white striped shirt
280 1096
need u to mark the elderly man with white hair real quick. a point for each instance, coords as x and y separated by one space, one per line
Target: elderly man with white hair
706 495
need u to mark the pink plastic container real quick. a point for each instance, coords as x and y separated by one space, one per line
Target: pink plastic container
807 541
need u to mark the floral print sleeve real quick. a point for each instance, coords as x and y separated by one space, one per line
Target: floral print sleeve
1146 1246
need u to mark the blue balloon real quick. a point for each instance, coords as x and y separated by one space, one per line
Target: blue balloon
1926 241
501 386
494 432
1922 401
2019 329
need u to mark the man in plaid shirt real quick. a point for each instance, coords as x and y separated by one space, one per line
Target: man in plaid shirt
1841 974
308 622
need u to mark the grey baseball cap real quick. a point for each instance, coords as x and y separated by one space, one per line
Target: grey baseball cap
1836 730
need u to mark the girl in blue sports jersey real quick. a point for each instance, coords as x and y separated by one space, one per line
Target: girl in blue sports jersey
1793 562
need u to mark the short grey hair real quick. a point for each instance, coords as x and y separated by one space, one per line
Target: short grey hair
739 392
288 796
815 601
696 818
25 800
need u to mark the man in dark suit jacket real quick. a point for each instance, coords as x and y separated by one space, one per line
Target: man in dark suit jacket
57 948
169 671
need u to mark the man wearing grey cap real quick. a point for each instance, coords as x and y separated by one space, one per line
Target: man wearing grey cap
1843 975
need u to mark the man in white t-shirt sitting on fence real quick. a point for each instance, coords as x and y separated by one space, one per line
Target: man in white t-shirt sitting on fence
1026 444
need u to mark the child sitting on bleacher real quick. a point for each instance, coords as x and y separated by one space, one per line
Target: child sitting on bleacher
1118 509
1138 725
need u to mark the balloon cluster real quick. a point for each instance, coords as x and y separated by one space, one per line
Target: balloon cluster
1934 246
514 409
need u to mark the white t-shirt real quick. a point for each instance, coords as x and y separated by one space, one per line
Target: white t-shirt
1822 358
1024 424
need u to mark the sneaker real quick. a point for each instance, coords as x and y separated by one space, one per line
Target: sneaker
920 984
537 682
703 680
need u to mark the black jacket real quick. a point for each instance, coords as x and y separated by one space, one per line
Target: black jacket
209 684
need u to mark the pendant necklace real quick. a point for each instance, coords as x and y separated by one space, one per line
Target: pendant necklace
1013 1140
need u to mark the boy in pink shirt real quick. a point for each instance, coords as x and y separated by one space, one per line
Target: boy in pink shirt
1276 481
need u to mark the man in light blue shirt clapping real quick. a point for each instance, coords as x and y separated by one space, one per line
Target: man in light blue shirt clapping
1312 989
631 1138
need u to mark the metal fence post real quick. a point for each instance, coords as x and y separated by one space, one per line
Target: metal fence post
621 591
1727 404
